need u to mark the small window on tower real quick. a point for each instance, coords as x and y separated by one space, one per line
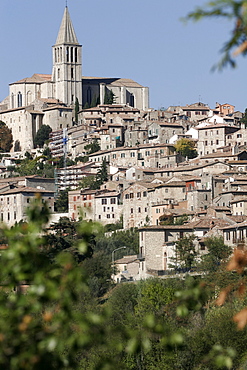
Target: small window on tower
72 72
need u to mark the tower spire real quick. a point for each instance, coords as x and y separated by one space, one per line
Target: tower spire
66 34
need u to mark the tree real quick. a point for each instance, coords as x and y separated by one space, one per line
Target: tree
17 146
6 138
92 147
95 101
86 182
186 148
244 118
42 136
77 108
186 253
62 203
101 176
109 97
218 252
235 11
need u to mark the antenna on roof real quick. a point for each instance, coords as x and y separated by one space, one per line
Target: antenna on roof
66 3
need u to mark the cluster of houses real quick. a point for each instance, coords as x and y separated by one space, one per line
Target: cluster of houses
150 185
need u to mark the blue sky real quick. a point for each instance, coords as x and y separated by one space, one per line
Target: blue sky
140 39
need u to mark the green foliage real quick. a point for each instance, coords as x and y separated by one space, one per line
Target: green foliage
17 146
6 138
186 148
186 253
86 182
244 119
42 136
218 253
95 101
39 329
236 12
93 147
128 238
62 202
101 176
110 97
77 108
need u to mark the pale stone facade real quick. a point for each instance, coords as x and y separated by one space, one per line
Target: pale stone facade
15 201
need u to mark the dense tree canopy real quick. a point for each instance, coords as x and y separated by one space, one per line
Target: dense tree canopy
186 148
42 136
6 138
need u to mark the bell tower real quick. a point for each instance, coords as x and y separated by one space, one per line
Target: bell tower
67 63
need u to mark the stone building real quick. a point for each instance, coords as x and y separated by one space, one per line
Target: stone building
212 137
63 86
15 201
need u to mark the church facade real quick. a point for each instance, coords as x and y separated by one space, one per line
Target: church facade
50 98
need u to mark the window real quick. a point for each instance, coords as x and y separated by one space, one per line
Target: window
122 155
139 209
131 210
206 143
144 193
138 194
113 201
1 216
67 54
127 196
71 55
8 200
103 201
108 216
19 99
131 195
72 72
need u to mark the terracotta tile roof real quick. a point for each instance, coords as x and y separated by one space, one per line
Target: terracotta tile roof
26 189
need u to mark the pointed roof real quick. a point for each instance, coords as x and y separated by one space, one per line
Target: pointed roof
66 34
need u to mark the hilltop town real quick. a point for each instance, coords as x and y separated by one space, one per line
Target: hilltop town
180 170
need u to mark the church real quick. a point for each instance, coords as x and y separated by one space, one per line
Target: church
50 98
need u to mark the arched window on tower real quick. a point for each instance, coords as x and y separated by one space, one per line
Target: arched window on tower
75 55
71 55
67 54
19 99
72 72
58 74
